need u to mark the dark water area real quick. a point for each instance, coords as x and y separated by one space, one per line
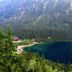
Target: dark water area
56 51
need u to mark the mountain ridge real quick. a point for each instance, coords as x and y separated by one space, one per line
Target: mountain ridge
37 13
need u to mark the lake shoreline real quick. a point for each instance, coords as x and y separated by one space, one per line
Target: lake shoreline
21 47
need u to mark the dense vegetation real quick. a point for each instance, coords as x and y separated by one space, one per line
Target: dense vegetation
24 42
43 34
12 62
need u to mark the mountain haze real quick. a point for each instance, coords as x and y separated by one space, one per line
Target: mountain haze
35 14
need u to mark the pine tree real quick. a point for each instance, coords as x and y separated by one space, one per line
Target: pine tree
6 51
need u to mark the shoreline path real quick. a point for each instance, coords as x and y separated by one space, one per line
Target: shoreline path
21 47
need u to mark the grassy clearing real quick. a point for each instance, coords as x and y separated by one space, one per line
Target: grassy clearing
23 42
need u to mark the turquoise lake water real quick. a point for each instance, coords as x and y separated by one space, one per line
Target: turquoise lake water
55 51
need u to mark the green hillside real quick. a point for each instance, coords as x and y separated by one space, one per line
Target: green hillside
25 62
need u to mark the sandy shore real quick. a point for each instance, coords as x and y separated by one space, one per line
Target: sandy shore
17 41
20 47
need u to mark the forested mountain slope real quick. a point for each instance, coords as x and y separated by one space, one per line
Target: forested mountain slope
37 14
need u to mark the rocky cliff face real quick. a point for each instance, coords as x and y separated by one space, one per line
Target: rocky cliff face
37 13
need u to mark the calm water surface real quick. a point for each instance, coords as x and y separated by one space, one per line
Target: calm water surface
55 51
